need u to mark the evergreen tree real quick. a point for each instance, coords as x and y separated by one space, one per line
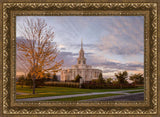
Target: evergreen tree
137 78
109 81
55 78
21 80
101 79
121 77
48 76
77 78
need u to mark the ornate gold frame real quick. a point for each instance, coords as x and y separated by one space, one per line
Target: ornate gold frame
12 9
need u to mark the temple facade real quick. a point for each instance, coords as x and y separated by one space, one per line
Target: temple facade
85 71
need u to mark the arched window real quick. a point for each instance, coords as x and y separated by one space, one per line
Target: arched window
79 62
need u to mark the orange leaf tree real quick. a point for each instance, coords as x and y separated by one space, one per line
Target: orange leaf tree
37 49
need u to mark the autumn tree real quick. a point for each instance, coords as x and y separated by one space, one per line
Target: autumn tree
37 49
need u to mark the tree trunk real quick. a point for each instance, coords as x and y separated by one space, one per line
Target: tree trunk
34 85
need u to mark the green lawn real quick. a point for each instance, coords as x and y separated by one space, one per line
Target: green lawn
84 97
56 91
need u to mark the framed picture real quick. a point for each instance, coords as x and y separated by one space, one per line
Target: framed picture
84 58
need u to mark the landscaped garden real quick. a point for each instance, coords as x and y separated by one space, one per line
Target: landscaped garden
50 86
26 91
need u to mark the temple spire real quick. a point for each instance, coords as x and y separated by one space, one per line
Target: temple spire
81 44
81 59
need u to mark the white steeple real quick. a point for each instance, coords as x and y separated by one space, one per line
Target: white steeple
81 59
81 44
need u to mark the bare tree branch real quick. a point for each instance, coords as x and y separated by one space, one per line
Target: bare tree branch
37 49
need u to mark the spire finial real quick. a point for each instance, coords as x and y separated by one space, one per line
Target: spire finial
81 43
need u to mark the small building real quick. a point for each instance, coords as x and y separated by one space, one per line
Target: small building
85 71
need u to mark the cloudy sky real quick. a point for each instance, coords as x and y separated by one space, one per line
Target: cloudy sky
111 43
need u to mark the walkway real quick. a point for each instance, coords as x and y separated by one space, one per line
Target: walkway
130 97
76 95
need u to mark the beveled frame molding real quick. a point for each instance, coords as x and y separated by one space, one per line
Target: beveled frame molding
148 10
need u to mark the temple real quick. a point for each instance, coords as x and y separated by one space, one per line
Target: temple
85 71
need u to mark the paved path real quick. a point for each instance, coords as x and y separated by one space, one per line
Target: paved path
129 97
76 95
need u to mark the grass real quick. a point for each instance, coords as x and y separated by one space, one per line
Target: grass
57 91
83 97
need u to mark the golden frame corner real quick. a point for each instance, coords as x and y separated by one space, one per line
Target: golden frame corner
11 9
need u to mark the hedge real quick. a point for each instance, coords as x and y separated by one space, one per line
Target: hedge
62 84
